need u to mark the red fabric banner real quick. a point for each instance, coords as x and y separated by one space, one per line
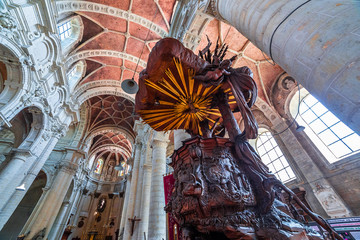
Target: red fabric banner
174 232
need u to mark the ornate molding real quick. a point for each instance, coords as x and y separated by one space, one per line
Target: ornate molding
69 167
80 91
97 88
9 27
103 53
213 10
73 6
112 148
116 130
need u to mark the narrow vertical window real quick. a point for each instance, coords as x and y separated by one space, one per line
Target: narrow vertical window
273 157
99 164
125 169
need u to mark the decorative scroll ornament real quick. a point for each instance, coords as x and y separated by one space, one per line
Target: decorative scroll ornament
8 26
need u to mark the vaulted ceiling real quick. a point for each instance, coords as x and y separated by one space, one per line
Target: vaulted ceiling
117 39
264 69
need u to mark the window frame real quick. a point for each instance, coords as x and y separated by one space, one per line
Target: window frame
263 130
79 68
329 157
101 166
77 29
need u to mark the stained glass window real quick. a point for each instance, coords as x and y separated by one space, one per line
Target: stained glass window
334 134
273 157
99 165
125 169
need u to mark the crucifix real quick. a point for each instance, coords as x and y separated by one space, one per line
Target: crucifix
133 220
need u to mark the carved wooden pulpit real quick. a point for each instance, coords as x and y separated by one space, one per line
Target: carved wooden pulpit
222 188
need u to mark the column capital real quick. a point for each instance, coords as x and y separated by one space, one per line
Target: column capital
160 138
22 153
68 167
213 9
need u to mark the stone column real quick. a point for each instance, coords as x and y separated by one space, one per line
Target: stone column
78 204
62 218
134 179
313 41
60 222
52 202
27 172
124 208
157 216
15 167
145 205
145 159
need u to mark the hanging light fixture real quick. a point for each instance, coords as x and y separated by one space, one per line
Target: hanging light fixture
129 85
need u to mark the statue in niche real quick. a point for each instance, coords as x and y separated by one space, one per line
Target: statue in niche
222 188
110 170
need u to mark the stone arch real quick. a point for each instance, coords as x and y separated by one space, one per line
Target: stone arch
38 125
17 66
3 75
70 6
97 88
81 55
115 129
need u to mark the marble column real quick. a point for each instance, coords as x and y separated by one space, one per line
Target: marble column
52 201
62 218
316 42
15 167
134 179
145 205
157 216
124 208
29 163
145 160
60 222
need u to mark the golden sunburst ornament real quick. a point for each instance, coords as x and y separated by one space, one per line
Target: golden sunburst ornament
182 103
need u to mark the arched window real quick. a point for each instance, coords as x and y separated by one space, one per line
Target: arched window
75 74
125 169
330 135
273 157
64 30
70 32
99 165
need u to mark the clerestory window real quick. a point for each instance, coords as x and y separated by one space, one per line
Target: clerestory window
70 32
99 165
333 138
